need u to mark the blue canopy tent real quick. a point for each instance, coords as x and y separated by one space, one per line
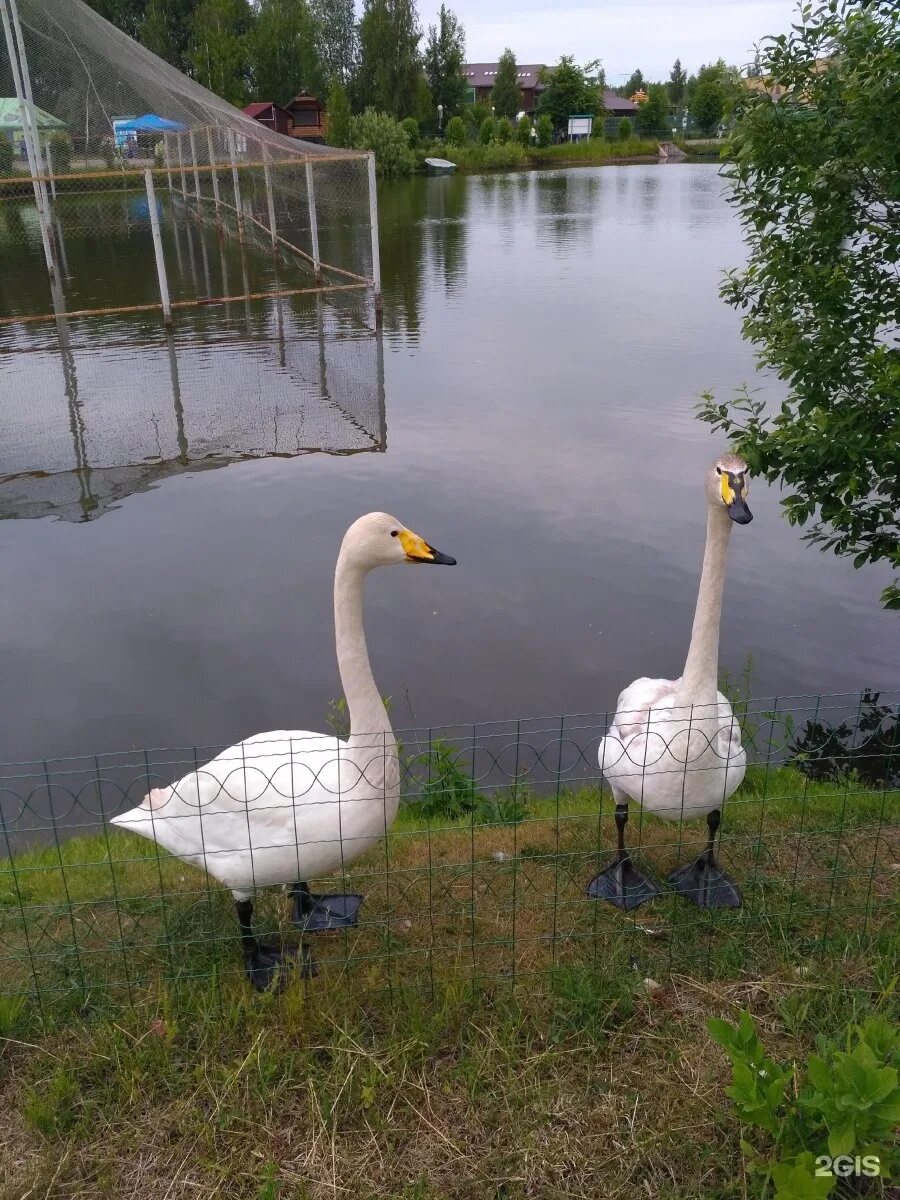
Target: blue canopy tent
129 128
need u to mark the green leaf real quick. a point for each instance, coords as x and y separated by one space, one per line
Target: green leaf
798 1182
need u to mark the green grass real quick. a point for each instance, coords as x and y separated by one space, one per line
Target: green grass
594 150
485 1032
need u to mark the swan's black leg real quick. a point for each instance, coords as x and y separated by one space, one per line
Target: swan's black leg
703 882
620 883
266 963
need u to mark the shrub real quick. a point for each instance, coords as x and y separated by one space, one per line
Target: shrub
597 127
544 130
456 131
410 127
383 135
523 131
60 146
488 131
7 154
841 1103
626 129
475 115
476 157
504 131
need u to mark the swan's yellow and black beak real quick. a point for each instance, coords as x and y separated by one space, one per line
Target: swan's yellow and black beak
734 492
417 550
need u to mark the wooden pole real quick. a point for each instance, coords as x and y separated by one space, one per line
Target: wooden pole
181 166
196 173
157 249
373 226
313 222
271 200
215 177
238 208
50 169
168 157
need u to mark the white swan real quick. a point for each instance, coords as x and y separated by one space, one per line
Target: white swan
674 746
289 806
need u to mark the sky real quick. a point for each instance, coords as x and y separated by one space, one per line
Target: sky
623 34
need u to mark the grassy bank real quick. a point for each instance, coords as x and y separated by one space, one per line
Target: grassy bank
485 1032
495 157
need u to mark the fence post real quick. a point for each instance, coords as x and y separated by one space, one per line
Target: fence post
313 222
196 173
237 187
181 166
373 225
168 159
271 200
157 248
215 177
50 169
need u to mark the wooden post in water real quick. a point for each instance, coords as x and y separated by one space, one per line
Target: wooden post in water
50 169
181 166
270 197
215 177
168 159
373 226
237 187
196 174
157 248
313 222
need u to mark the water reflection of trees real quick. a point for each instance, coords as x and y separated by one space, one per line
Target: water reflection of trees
567 205
424 239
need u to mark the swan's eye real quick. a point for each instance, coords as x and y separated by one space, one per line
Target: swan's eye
718 470
395 532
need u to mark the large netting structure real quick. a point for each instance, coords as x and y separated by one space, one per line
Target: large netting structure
179 284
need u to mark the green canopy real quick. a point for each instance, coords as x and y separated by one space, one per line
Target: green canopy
11 117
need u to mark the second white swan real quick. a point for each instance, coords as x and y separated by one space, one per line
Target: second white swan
674 746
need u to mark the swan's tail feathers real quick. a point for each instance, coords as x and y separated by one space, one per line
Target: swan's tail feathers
141 819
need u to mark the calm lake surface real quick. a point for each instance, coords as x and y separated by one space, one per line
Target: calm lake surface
530 411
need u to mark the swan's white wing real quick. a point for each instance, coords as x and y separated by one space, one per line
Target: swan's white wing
275 807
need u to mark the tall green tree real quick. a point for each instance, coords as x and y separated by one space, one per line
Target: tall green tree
445 53
635 82
126 15
653 115
283 51
505 95
338 39
339 129
708 104
220 49
167 29
816 179
390 68
677 83
570 89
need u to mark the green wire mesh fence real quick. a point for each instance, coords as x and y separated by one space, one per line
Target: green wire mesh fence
482 875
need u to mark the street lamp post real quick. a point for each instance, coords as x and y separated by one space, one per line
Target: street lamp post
440 112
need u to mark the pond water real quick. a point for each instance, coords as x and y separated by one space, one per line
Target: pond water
546 336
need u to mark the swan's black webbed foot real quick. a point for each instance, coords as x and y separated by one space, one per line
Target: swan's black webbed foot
623 885
268 965
318 912
705 884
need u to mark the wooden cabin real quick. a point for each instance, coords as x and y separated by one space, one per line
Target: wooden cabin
307 118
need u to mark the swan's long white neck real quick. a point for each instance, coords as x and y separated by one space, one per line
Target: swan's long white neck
364 703
699 681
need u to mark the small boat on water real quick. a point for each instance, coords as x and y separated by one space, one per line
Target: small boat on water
440 166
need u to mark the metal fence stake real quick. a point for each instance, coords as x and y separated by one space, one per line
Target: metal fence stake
313 222
157 248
